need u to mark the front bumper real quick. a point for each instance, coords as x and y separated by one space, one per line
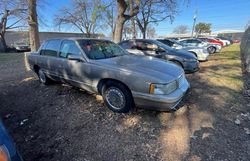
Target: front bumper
218 48
161 102
203 56
191 66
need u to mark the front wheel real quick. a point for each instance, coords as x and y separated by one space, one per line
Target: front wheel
211 50
117 97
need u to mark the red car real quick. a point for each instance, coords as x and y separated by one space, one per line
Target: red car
236 41
211 41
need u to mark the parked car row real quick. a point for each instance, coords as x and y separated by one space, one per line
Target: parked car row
154 48
143 72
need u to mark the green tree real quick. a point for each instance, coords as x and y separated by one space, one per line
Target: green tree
203 28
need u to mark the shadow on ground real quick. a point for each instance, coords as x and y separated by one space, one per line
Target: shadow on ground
65 123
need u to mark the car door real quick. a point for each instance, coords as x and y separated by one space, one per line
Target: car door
72 71
48 60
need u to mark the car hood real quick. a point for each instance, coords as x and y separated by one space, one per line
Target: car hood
157 69
181 53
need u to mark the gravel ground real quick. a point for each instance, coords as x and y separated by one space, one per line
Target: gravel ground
61 123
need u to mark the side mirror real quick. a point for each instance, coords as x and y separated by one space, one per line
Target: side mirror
75 57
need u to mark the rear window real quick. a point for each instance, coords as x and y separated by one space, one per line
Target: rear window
51 48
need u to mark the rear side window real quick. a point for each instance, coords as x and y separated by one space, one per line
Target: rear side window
69 47
146 46
50 48
127 45
195 41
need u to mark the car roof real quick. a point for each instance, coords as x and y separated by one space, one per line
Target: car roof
76 38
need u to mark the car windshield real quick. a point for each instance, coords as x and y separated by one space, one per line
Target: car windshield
101 49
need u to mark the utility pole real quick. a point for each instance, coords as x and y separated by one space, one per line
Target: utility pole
194 18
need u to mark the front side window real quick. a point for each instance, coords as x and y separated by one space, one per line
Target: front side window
196 41
51 48
69 47
101 49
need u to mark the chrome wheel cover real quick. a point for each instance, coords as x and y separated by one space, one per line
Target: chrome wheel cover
115 98
42 76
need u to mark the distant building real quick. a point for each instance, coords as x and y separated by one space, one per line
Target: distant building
12 37
234 34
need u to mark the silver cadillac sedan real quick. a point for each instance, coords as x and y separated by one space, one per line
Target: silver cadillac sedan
101 66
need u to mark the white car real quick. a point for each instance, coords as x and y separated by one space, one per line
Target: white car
225 42
212 48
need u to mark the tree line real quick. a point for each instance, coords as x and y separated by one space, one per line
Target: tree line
88 16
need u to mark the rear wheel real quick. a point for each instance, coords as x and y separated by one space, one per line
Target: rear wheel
43 78
117 97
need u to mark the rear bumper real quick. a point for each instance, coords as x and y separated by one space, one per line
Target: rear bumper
161 102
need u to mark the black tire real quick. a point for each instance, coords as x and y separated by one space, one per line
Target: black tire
114 91
211 50
43 78
193 54
177 63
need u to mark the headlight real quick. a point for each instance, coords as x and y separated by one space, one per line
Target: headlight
4 154
163 88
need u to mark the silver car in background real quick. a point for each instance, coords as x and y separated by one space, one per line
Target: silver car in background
212 48
201 53
101 66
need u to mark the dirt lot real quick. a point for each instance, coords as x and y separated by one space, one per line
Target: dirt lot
62 123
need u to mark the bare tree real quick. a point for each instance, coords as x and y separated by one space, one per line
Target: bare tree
33 26
11 9
125 12
109 11
182 29
85 15
151 32
154 11
127 31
